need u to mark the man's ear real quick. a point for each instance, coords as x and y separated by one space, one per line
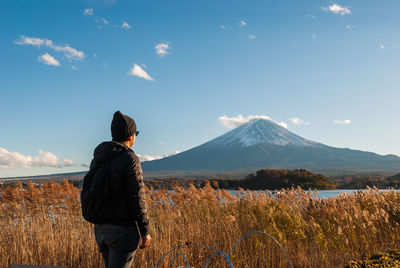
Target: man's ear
130 138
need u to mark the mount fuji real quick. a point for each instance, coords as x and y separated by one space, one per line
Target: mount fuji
261 143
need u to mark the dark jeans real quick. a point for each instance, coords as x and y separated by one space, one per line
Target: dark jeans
117 244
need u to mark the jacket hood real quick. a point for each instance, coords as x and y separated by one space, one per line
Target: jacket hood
107 150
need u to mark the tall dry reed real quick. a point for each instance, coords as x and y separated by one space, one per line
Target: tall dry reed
42 225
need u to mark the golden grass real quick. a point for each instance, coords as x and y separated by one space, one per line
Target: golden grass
42 225
382 259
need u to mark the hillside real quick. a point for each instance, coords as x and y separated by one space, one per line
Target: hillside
265 179
275 179
264 144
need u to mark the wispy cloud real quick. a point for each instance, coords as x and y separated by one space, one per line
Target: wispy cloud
222 27
298 121
68 51
105 21
88 12
48 59
342 122
233 122
68 162
250 36
314 36
162 49
242 23
125 25
349 27
337 9
144 158
308 16
382 46
9 160
34 41
139 72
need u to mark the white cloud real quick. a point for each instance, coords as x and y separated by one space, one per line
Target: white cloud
144 158
298 121
242 23
34 41
74 67
342 122
314 36
139 72
162 49
310 16
251 36
349 27
382 46
88 12
233 122
104 21
222 27
337 9
125 25
68 51
68 162
44 159
10 159
48 59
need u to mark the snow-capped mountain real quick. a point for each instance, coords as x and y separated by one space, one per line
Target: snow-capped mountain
262 143
261 131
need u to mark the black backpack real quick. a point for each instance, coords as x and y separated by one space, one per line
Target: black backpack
95 195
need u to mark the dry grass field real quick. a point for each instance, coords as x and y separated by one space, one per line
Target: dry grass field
42 225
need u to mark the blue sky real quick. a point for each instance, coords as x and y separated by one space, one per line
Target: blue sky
185 70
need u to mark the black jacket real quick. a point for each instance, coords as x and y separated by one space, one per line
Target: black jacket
127 193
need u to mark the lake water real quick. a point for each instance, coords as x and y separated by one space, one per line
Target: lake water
328 193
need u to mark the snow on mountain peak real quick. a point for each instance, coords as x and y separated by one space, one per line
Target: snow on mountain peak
261 131
233 122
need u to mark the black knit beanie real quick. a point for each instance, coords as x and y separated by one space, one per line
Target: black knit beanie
122 127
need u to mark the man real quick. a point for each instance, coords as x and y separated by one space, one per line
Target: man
118 238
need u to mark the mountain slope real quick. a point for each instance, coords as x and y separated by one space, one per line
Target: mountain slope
262 143
261 131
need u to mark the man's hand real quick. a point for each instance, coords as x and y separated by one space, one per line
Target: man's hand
145 241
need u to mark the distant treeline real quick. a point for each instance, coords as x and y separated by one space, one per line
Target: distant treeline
274 179
362 181
271 179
